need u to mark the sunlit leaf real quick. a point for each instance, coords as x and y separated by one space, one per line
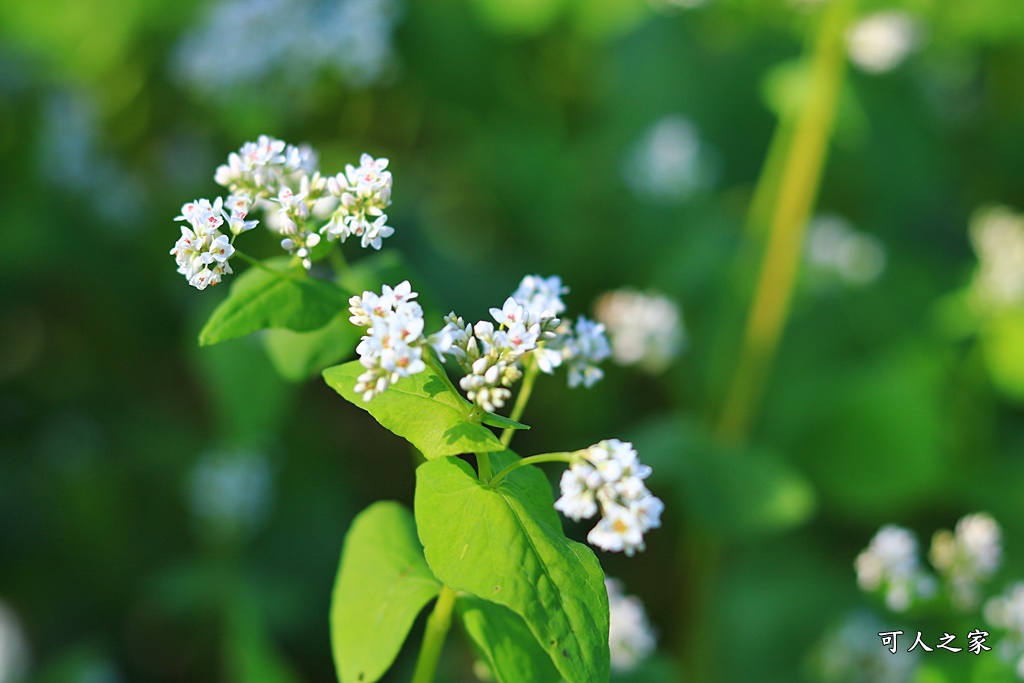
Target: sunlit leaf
506 545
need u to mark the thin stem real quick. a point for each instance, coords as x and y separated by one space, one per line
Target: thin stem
532 460
483 466
797 184
438 623
339 264
529 378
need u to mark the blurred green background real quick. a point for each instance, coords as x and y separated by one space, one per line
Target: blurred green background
171 513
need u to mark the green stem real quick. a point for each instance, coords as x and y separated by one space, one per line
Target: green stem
438 623
339 264
483 467
532 460
798 178
529 378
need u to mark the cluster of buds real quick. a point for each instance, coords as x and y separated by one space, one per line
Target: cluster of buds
282 180
967 556
609 474
363 193
491 354
890 563
392 347
203 252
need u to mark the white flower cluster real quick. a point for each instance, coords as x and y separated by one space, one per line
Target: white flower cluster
282 47
967 556
1006 611
363 193
849 652
630 636
670 163
645 329
203 252
838 251
890 563
997 234
230 492
392 347
610 474
527 323
283 181
881 41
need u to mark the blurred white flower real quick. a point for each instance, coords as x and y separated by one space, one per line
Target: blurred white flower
13 646
645 329
630 636
967 556
852 653
1006 611
890 563
997 234
881 41
229 492
834 248
583 349
669 162
242 42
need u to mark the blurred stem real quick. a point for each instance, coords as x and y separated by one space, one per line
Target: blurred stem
781 204
799 175
438 623
521 400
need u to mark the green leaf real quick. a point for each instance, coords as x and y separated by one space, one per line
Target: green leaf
261 299
423 409
505 545
502 422
299 355
505 643
383 583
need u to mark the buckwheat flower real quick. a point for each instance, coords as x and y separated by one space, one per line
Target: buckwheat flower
363 193
881 41
644 329
609 474
630 636
583 350
539 295
890 563
202 252
1006 611
392 347
967 556
997 235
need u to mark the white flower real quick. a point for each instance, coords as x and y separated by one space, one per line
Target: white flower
836 249
997 234
229 492
890 562
583 350
540 296
611 474
968 556
630 636
363 193
392 346
669 163
881 41
202 252
644 329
